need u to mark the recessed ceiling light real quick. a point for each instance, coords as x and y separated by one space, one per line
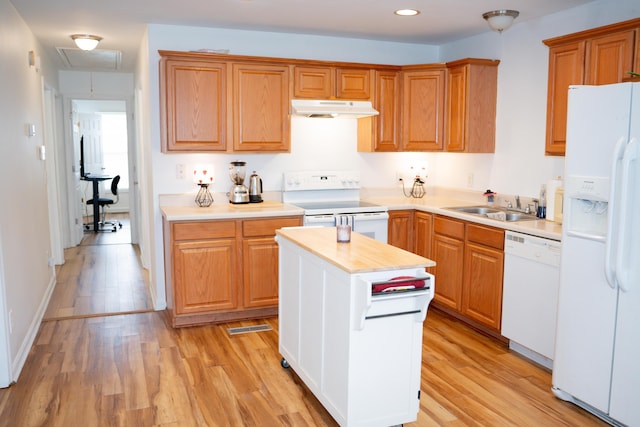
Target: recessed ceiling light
407 12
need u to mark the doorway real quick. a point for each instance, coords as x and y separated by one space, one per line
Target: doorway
102 273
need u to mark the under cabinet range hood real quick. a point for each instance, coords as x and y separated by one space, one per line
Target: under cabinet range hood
332 108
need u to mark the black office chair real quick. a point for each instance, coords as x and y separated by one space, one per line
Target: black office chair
104 202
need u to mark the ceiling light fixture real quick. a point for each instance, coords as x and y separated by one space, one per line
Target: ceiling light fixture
86 41
407 12
500 20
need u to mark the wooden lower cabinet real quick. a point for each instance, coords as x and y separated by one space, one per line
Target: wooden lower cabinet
400 229
222 270
469 270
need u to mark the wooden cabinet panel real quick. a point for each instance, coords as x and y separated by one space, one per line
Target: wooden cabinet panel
312 82
472 87
448 227
598 56
331 82
566 67
380 133
260 272
423 235
204 276
448 253
469 270
386 101
354 84
222 270
261 107
487 236
267 226
200 230
482 290
423 94
193 105
400 229
610 58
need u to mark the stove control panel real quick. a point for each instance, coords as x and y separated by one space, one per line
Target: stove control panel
321 180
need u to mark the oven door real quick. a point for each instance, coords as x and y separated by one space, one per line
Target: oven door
371 224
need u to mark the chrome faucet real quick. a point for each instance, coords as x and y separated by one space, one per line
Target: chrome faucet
518 206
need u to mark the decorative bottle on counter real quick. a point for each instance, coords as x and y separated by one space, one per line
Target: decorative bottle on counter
542 207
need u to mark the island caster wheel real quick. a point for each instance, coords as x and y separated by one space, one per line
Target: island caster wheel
284 363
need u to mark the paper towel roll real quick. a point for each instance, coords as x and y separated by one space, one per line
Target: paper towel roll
552 186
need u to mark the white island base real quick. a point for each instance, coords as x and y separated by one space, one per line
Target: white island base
359 353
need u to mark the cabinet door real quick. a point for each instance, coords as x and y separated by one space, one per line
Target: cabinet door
400 229
422 235
312 82
423 110
566 67
261 108
448 254
610 58
205 276
386 101
353 84
482 295
260 260
456 108
193 105
471 106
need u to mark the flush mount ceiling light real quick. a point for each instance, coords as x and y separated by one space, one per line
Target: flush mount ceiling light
407 12
500 20
86 41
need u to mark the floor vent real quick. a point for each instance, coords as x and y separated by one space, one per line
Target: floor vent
247 329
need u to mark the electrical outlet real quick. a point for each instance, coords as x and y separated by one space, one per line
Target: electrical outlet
180 171
399 176
470 180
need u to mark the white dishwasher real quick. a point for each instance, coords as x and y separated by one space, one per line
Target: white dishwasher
530 295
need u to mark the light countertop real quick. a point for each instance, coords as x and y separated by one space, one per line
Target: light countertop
362 254
226 210
436 204
430 203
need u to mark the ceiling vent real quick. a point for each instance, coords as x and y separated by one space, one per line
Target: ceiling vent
97 59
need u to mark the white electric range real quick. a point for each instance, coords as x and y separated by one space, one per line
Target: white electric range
332 197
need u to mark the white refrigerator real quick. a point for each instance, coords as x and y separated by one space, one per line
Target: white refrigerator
597 353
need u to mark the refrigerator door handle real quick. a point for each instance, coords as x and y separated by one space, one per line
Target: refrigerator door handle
612 229
622 273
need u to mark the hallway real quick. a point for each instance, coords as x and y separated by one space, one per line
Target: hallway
101 276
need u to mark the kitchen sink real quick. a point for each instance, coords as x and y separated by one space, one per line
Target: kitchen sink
477 210
496 213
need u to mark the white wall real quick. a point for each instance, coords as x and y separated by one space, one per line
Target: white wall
518 165
26 279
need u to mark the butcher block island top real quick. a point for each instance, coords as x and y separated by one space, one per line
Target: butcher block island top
361 255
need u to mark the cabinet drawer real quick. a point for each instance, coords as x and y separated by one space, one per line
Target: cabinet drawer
267 227
487 236
204 230
448 227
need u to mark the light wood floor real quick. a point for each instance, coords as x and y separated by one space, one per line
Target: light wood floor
100 276
134 370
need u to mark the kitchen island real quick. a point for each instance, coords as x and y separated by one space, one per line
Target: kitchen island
356 347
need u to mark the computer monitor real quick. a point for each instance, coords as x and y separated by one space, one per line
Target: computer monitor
82 170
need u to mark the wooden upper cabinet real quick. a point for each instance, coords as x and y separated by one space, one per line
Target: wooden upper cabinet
380 133
598 56
193 105
610 58
566 67
261 107
332 83
472 87
423 94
